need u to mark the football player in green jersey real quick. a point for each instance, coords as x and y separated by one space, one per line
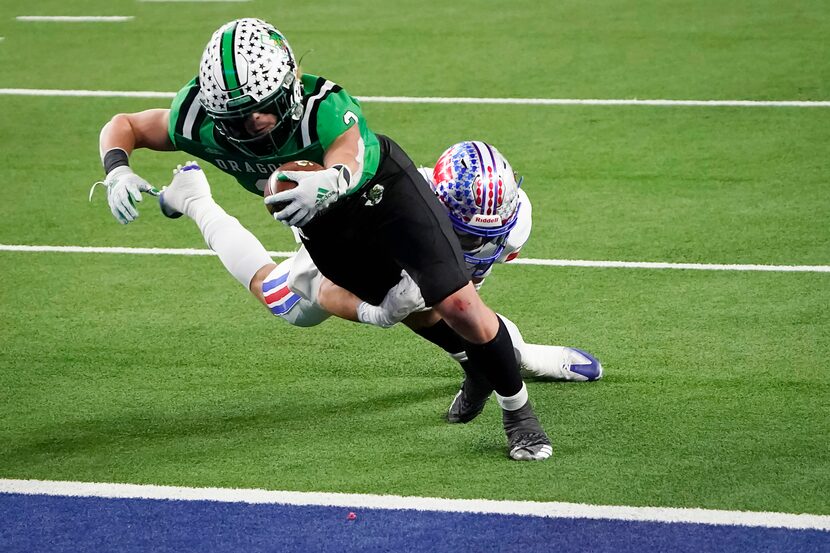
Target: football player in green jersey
364 218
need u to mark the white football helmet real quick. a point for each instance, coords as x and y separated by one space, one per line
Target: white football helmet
481 194
248 67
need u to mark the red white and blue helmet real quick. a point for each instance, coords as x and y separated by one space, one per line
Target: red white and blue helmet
480 191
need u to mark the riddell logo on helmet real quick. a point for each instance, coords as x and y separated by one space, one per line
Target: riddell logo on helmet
486 220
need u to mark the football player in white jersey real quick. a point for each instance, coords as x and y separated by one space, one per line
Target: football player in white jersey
296 291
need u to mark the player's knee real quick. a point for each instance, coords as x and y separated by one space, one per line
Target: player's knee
460 306
465 313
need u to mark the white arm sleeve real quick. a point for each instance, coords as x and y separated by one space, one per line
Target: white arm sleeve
521 232
305 278
426 172
289 304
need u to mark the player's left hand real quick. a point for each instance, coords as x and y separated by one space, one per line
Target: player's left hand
315 191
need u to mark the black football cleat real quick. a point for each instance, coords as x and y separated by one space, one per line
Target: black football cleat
469 401
526 440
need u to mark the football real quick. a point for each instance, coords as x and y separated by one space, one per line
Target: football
275 185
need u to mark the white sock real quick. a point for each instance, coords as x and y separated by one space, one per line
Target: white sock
515 337
535 360
543 361
513 402
241 252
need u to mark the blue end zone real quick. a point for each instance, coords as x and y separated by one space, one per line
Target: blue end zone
49 523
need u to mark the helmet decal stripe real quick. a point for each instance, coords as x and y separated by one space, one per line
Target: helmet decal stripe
229 61
486 185
495 180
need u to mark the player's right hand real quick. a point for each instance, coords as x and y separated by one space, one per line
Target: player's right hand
124 188
401 300
315 191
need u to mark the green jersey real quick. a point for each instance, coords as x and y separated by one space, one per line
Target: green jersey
328 112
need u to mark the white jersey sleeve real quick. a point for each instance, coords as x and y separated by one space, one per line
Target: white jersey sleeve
304 277
290 291
521 232
426 172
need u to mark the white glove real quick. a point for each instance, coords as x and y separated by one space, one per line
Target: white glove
124 188
401 300
315 190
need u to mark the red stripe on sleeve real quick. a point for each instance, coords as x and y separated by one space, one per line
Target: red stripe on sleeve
277 294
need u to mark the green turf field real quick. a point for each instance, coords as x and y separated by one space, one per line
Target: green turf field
161 369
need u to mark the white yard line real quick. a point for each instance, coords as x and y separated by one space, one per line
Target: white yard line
170 1
519 261
85 93
438 100
120 250
487 506
594 102
663 265
76 18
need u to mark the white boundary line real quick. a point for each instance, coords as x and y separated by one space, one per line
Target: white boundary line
75 18
518 261
485 506
436 100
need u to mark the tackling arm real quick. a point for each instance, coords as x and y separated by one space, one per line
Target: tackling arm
338 301
401 300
